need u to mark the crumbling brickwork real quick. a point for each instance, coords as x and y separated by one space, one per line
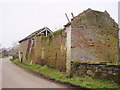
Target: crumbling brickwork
23 51
94 37
51 51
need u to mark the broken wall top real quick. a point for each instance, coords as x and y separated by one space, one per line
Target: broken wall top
35 33
95 35
101 19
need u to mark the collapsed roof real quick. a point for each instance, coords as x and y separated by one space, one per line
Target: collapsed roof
36 33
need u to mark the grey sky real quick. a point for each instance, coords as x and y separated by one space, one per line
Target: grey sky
20 18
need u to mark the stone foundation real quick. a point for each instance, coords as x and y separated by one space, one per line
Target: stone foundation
100 71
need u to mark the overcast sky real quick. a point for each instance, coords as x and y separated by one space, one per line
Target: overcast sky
19 18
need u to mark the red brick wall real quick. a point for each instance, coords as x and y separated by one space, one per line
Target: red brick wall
94 37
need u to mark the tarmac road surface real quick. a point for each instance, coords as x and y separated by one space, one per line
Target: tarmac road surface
16 77
0 73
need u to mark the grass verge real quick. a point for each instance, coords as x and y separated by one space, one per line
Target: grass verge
83 81
3 56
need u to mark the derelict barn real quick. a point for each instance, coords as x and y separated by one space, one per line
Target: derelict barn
27 44
91 37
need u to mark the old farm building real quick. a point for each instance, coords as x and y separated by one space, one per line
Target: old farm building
90 37
27 44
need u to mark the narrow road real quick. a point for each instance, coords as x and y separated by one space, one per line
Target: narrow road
0 74
16 77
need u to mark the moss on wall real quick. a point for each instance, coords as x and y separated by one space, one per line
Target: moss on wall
58 32
50 50
94 38
96 70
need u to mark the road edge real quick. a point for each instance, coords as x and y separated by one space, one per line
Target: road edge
53 80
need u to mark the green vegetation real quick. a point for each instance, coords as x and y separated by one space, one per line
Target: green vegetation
118 63
58 32
50 38
113 63
3 56
43 38
38 34
14 57
83 81
55 33
78 62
